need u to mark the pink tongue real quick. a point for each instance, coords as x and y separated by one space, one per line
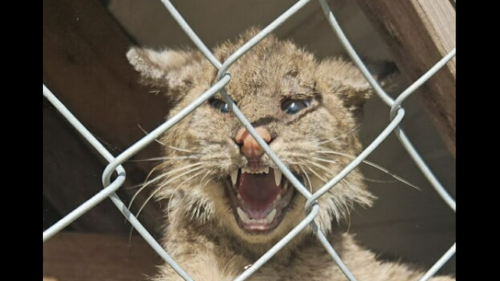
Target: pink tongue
258 191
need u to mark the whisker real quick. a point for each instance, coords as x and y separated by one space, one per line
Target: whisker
146 133
144 187
206 182
307 178
348 224
204 176
341 135
323 167
163 185
330 173
137 193
180 149
347 209
380 181
369 163
326 169
147 177
196 165
317 175
164 158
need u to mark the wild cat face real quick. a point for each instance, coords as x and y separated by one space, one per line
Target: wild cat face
216 175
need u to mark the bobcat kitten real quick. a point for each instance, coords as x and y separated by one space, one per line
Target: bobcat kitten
228 203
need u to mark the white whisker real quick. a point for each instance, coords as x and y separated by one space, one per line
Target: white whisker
329 172
146 133
163 185
204 176
180 149
307 178
341 135
165 158
317 175
196 165
369 163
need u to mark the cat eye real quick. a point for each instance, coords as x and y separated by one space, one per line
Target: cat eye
220 105
294 106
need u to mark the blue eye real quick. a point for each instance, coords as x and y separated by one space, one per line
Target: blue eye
294 106
220 105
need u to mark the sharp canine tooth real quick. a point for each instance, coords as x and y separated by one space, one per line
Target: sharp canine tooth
277 176
244 217
269 219
266 170
234 177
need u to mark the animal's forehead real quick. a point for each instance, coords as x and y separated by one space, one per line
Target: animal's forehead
271 69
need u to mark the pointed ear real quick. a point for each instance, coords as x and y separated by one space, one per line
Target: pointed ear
171 72
345 81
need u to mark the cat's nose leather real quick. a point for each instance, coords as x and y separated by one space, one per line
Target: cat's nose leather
249 146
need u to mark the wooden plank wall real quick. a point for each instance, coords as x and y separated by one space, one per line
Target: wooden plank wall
84 257
84 65
419 33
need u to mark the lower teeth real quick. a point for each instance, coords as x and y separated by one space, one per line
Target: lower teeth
246 219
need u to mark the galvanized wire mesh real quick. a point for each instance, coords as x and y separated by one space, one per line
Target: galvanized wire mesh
397 113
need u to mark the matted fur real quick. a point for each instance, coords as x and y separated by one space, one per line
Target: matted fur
203 236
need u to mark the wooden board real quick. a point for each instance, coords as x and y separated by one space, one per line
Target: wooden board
71 175
91 257
151 25
84 64
419 33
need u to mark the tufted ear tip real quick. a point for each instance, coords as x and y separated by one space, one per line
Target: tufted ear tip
149 63
170 71
133 56
132 53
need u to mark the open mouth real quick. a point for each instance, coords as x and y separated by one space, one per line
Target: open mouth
259 197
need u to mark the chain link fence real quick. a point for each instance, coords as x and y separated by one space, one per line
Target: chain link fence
312 208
